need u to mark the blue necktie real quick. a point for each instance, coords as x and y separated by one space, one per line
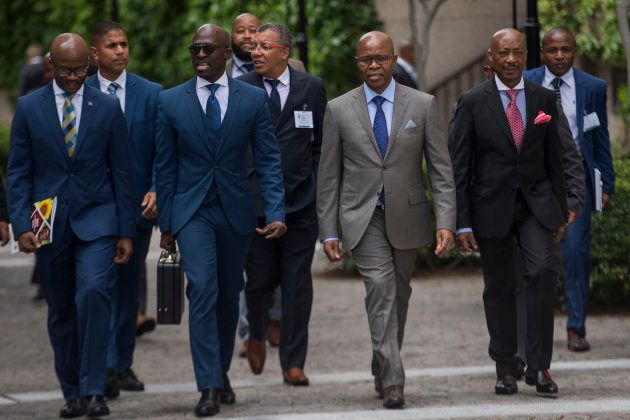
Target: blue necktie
556 83
380 132
213 109
274 96
248 67
112 88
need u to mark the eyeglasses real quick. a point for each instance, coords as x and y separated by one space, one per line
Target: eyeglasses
266 47
366 60
65 71
207 48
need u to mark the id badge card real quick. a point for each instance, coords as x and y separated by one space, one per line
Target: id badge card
591 121
303 119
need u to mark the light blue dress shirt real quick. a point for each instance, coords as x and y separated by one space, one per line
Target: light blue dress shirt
388 104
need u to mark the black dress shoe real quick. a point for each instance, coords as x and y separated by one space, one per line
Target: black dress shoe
128 381
97 407
74 408
394 397
520 368
227 395
542 380
112 389
208 404
506 385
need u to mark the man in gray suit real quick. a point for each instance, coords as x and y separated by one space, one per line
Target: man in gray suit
370 188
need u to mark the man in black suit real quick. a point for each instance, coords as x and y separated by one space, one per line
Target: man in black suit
4 216
297 102
511 191
405 69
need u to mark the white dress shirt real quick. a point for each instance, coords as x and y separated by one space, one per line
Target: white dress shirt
283 87
222 93
567 93
388 104
122 84
77 103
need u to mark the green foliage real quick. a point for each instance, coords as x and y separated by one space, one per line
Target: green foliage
160 30
594 23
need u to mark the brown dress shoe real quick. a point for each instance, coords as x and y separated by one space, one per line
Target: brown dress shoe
242 353
393 397
256 354
577 343
295 376
273 333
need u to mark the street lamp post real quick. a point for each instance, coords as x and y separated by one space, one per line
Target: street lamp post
532 35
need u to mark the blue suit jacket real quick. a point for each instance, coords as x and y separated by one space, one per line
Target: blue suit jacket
141 96
92 187
188 161
590 96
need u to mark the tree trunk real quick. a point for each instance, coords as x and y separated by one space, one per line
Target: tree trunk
623 8
429 12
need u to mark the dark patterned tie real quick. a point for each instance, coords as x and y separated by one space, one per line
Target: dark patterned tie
515 118
380 132
248 67
213 109
556 83
274 96
112 88
69 124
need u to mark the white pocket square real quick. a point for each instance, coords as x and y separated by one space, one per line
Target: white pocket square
410 124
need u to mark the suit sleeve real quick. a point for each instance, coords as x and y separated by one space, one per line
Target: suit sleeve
322 101
571 164
329 177
268 163
20 173
601 142
154 102
462 155
120 167
553 156
439 169
165 166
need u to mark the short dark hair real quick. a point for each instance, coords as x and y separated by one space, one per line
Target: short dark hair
103 28
559 30
284 34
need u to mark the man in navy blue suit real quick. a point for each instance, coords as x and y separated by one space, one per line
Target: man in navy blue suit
583 99
68 141
205 127
138 100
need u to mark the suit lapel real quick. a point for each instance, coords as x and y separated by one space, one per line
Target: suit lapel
131 99
400 107
87 112
359 105
234 103
296 87
579 100
493 100
196 112
531 103
51 116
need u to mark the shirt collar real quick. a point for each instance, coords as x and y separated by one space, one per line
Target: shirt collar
59 91
120 81
285 77
239 63
202 83
388 93
502 86
567 77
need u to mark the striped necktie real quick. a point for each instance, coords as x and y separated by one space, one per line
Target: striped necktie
69 124
556 83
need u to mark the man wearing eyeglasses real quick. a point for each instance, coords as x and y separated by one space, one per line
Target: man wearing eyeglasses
69 142
138 100
370 194
205 127
297 102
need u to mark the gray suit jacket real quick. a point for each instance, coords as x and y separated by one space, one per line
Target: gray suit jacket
352 172
293 62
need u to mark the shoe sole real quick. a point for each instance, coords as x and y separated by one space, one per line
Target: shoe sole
394 405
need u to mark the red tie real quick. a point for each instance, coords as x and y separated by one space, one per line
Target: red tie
515 118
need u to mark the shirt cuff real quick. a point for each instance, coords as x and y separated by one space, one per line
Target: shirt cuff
463 230
330 239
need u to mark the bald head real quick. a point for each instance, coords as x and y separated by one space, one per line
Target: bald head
509 34
243 34
507 54
376 38
558 33
211 30
69 58
375 60
209 51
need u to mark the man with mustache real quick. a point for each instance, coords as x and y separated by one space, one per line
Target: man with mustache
205 127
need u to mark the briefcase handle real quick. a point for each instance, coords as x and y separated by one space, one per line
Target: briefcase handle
169 255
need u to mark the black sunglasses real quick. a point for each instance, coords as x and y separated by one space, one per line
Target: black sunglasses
208 49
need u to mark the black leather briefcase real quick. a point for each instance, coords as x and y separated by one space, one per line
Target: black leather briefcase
170 288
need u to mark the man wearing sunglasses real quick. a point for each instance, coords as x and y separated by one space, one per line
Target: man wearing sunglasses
297 102
370 193
69 141
138 100
205 127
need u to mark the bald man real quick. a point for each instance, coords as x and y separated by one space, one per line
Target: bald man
511 192
69 142
205 127
370 195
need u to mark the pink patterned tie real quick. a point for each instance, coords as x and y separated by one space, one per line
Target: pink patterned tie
515 118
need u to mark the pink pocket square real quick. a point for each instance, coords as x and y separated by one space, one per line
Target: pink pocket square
542 118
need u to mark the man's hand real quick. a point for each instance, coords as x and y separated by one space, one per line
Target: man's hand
28 242
445 240
331 249
124 249
572 217
558 234
466 242
605 200
4 233
167 241
273 230
149 206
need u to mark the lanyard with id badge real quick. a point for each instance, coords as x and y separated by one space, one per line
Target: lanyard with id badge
303 118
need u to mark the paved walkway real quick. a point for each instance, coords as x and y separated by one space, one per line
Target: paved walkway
449 374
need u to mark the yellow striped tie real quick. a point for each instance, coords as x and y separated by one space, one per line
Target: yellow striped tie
69 124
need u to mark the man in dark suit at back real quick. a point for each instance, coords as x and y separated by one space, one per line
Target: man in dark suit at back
138 100
511 191
69 141
405 69
583 99
297 102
